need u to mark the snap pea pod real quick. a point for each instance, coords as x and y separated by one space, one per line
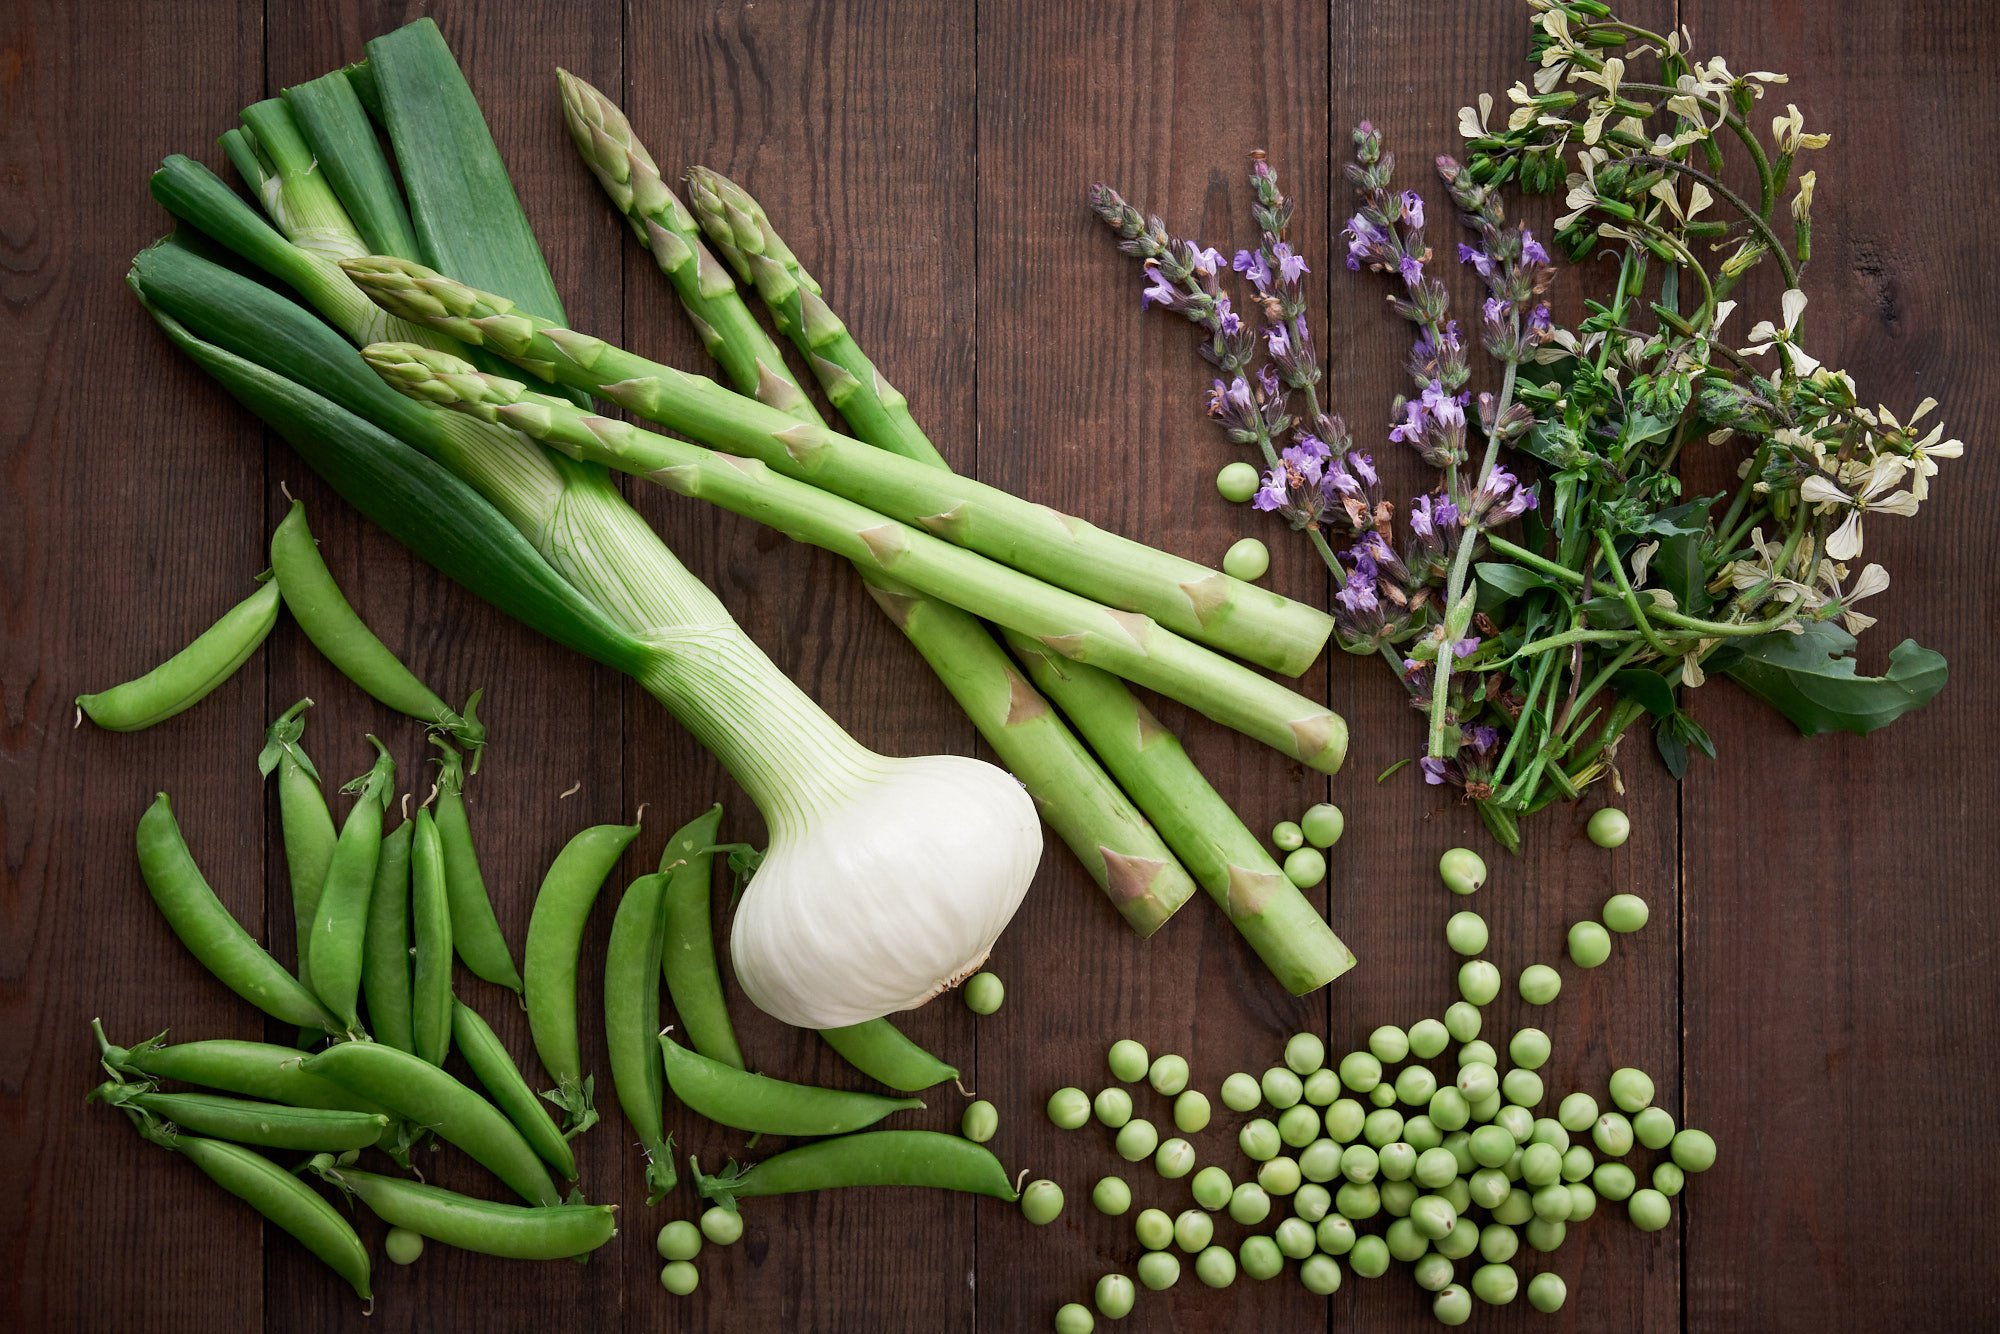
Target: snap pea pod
211 934
331 623
186 678
269 1125
475 931
871 1158
632 1023
886 1055
744 1101
306 825
276 1194
548 962
340 922
502 1080
385 950
687 954
255 1069
430 944
424 1095
553 1232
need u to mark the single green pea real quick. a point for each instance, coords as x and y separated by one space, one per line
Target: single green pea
1549 1131
1389 1044
1193 1230
1191 1111
1518 1122
1154 1229
1113 1107
1577 1112
1529 1048
1625 913
1259 1140
1279 1177
1516 1209
1168 1075
1477 1052
1486 1108
1433 1216
1589 944
1383 1127
1323 825
1305 867
1495 1284
1281 1088
1295 1239
1609 828
1396 1161
1540 984
1462 870
1311 1201
1693 1151
1433 1272
1415 1085
1069 1108
1466 933
1405 1243
1452 1305
1111 1196
1582 1201
1382 1095
1478 981
1551 1201
1449 1109
1577 1164
1631 1090
1488 1186
1462 1021
1304 1053
679 1277
403 1246
1428 1038
1613 1181
1322 1088
1334 1234
1369 1258
1215 1267
1461 1241
1546 1234
1041 1202
1360 1071
1240 1093
1247 559
1398 1196
1137 1139
1320 1160
1649 1209
1298 1126
1547 1292
1612 1135
1653 1127
1128 1061
1492 1146
1344 1118
1477 1080
1249 1204
1075 1318
1421 1131
1286 836
1523 1088
1456 1194
1498 1243
1211 1188
1238 481
984 992
981 1121
1359 1164
1115 1296
679 1240
1358 1200
1668 1178
1174 1159
1320 1274
1260 1258
1158 1270
722 1226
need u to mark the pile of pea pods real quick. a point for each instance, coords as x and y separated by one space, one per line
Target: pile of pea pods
1353 1163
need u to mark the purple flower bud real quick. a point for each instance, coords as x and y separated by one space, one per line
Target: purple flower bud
1278 342
1434 770
1413 208
1161 290
1411 268
1477 258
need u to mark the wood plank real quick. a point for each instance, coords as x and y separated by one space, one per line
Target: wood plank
1835 916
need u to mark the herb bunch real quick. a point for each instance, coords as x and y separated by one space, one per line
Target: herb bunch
1534 623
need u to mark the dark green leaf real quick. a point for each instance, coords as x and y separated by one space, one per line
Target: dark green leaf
1811 679
1500 582
1673 750
1649 690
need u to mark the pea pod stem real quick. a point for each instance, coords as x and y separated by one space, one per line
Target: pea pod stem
551 1232
632 1023
186 678
886 1055
340 921
430 943
767 1106
871 1158
385 950
687 952
475 931
304 822
502 1080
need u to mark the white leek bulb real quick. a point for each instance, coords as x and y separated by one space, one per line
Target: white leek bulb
888 895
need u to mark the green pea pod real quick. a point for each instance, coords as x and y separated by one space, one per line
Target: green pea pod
385 951
872 1158
255 1069
280 1197
211 934
555 1232
502 1080
340 923
766 1106
548 962
303 819
687 957
881 1051
632 1026
268 1125
331 623
475 931
430 944
185 679
424 1095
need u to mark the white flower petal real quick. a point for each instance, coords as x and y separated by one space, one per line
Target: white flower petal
1874 579
1845 543
1793 303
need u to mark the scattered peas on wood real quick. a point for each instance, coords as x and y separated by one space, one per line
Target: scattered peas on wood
1112 1196
1466 933
1168 1074
1625 913
980 1122
1462 870
1128 1061
1589 944
1540 984
1191 1111
1237 482
1305 867
984 992
1323 825
722 1226
679 1240
1286 836
1041 1202
680 1278
1247 559
1069 1108
1609 828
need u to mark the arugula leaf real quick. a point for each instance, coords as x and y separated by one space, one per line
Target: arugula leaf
1649 690
1506 581
1811 679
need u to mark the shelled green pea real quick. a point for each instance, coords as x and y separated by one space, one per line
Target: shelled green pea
1462 870
1589 944
1111 1196
1287 836
980 1122
1609 827
1247 559
1127 1060
984 993
1041 1202
1069 1108
1237 481
1323 825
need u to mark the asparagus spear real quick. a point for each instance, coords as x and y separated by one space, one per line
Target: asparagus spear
1129 645
1184 597
1123 853
1279 923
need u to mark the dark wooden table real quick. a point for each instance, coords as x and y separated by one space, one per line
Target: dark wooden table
1817 988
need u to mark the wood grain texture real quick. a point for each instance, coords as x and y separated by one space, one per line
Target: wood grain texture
1814 988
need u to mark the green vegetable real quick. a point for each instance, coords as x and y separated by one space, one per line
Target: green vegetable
1260 1258
1810 677
1113 1107
679 1277
1323 825
305 825
1211 1187
1299 1126
1334 1234
1625 913
1609 827
1577 1113
1114 1296
1452 1305
1111 1196
1237 482
1369 1258
1247 559
1693 1150
980 1121
402 1245
187 678
1360 1071
1280 1087
340 919
1461 1021
870 1158
1154 1230
984 993
1649 1210
1279 1177
1613 1181
1547 1293
1529 1048
1193 1230
1174 1159
1612 1135
512 1231
238 1120
1074 1318
678 1240
1069 1108
1215 1267
1286 836
503 1082
881 1051
475 931
1478 981
1631 1090
430 943
722 1226
385 953
1128 1061
1249 1204
1462 870
1668 1178
1137 1139
1305 867
632 1023
687 953
1589 945
1428 1038
1495 1284
1539 984
1320 1274
1312 1201
1041 1202
1466 933
1159 1270
1259 1140
1241 1093
1653 1127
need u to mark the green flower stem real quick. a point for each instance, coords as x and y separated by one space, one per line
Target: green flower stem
1181 596
1541 564
1630 598
1130 646
1738 202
